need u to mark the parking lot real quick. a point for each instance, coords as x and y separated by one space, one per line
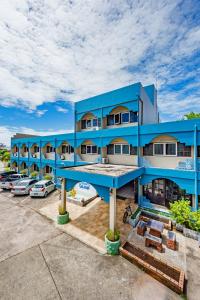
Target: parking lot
38 261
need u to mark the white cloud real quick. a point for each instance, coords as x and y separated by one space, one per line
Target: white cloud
61 109
6 132
64 49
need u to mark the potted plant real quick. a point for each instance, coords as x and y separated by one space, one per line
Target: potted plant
34 174
112 241
63 215
24 172
48 177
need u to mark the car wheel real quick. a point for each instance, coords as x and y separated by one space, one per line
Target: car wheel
45 195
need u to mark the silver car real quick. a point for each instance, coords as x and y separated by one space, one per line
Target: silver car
23 186
10 181
42 188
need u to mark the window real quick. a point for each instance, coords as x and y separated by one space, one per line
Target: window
117 118
125 149
65 149
83 124
125 117
88 123
133 117
110 120
83 149
198 151
170 149
148 150
36 149
50 149
110 149
48 169
133 150
88 149
94 122
183 150
158 149
117 149
25 149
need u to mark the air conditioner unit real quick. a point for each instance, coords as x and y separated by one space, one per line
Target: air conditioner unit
104 160
95 128
62 157
34 155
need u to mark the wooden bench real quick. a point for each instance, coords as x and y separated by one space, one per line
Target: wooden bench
141 228
153 241
171 240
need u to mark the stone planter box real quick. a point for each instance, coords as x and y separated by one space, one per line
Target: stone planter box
191 233
63 219
169 275
112 248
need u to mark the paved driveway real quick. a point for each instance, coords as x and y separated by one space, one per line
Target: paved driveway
38 261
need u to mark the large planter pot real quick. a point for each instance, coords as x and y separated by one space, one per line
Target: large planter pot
63 219
112 248
192 234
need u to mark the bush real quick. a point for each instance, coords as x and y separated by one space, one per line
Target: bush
7 169
181 212
194 222
113 236
24 172
48 177
61 210
34 174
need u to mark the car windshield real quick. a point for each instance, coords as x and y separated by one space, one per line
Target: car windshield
38 186
14 177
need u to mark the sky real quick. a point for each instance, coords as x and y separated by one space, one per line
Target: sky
56 52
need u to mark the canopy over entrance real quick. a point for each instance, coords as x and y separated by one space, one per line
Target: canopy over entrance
105 178
101 176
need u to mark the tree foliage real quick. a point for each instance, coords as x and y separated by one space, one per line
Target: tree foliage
191 115
182 213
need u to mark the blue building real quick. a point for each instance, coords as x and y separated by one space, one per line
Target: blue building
118 141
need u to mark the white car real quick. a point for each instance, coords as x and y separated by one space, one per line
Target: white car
23 186
10 181
42 188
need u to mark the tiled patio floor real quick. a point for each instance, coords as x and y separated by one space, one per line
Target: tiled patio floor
96 220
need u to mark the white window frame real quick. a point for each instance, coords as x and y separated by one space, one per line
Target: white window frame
121 147
87 146
164 149
125 112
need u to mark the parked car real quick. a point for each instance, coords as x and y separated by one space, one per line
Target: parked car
5 174
8 182
42 188
23 186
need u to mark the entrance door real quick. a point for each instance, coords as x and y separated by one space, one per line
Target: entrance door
159 192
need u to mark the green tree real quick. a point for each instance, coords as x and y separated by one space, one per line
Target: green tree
191 115
5 157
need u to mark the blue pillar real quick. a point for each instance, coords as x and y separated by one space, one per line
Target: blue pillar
195 169
55 161
40 175
28 158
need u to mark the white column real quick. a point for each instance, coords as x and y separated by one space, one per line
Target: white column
63 193
112 209
193 202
